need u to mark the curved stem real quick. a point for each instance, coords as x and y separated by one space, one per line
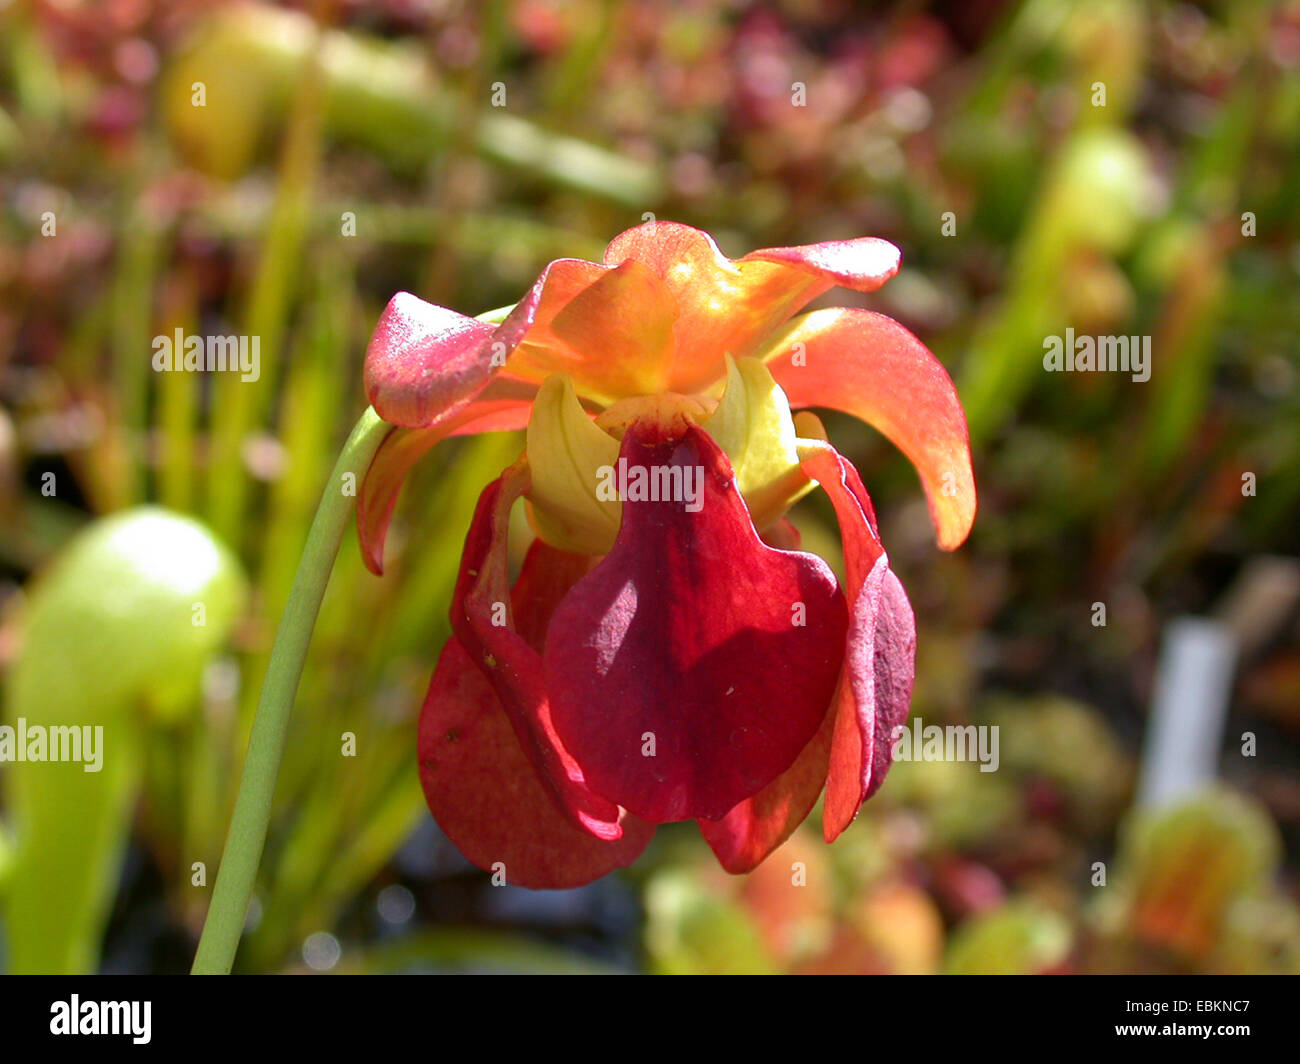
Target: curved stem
247 836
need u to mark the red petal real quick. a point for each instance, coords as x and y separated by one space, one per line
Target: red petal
783 535
880 663
726 307
875 686
868 365
688 629
483 619
546 577
755 827
494 411
486 797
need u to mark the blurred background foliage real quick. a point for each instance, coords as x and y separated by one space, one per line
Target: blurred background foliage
347 150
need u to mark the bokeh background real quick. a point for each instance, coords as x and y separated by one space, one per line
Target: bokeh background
346 150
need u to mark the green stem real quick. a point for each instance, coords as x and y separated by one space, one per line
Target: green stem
247 836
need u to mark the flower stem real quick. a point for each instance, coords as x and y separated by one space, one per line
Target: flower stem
247 836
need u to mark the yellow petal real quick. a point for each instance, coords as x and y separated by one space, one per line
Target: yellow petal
566 451
753 425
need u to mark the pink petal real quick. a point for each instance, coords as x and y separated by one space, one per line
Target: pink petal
424 363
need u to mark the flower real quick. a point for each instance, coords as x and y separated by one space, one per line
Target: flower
667 652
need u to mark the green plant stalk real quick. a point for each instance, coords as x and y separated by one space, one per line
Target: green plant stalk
248 825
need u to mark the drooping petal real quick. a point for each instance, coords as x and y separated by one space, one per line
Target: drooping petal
694 663
862 264
546 576
875 685
479 783
879 667
609 328
868 365
502 407
424 363
755 827
728 307
486 797
482 616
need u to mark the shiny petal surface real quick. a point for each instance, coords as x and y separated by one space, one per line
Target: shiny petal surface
862 264
482 617
424 363
728 307
868 365
694 663
875 685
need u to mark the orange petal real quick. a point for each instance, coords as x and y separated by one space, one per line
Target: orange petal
728 307
609 329
868 365
863 263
